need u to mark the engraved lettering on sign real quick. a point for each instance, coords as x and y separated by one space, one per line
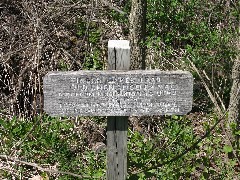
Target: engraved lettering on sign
131 89
118 93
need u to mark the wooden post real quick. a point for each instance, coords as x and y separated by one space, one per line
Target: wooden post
117 94
118 59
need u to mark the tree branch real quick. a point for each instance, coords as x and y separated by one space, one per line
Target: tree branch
113 8
7 158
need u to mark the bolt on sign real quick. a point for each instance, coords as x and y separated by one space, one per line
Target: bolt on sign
118 93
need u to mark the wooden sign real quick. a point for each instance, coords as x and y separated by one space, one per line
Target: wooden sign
118 93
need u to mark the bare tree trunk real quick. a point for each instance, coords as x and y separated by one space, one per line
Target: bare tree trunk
234 107
137 35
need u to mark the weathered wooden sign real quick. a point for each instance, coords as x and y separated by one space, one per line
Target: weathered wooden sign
117 93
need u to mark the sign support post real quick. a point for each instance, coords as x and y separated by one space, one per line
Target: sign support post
117 126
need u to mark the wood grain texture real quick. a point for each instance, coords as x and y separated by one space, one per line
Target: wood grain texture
118 93
118 55
117 126
117 147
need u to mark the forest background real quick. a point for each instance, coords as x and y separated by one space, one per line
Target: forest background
37 36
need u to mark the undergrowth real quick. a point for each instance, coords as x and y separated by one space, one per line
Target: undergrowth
54 149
